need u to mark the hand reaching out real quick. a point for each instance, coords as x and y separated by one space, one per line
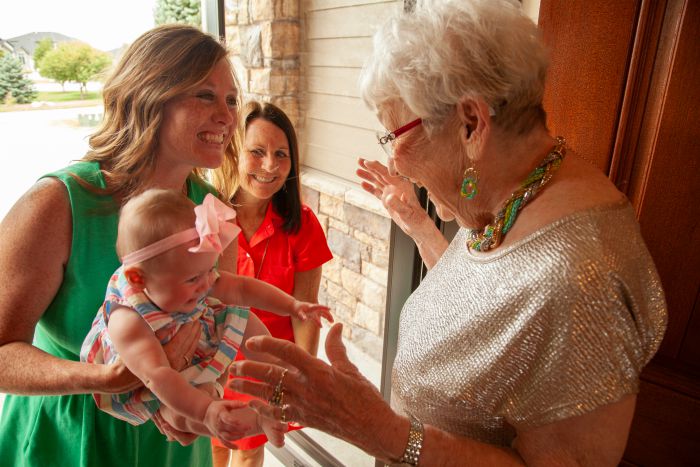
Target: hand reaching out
399 198
396 194
311 311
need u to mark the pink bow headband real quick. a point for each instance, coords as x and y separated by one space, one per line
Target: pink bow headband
211 226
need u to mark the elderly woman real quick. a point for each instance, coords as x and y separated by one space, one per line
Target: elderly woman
525 341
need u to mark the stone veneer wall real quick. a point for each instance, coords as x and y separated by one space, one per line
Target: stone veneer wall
354 282
264 39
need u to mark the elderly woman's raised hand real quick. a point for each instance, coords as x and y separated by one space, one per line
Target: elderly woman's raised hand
396 194
334 398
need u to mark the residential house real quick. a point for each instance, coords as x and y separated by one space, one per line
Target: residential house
24 46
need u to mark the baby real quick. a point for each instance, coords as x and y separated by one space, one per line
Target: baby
168 278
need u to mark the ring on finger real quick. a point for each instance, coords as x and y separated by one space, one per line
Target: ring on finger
277 398
187 360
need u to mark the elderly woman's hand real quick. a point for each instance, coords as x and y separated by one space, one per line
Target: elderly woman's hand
334 398
399 198
396 194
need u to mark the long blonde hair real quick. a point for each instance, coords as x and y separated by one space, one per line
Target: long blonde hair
160 65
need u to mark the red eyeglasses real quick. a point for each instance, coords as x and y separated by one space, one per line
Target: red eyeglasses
385 138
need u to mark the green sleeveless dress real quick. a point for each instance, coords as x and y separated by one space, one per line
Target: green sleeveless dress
70 430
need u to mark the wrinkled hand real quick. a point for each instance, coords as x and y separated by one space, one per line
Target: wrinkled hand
311 311
172 434
334 398
181 347
396 193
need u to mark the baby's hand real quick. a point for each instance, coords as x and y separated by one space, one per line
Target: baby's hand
222 421
312 311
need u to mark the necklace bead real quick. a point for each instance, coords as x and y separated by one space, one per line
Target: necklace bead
492 235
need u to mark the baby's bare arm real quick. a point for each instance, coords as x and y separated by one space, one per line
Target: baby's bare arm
143 355
247 291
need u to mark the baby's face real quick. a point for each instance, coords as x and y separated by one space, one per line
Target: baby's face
181 280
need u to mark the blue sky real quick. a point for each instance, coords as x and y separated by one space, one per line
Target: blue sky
104 24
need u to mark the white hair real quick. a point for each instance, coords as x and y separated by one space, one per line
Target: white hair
447 49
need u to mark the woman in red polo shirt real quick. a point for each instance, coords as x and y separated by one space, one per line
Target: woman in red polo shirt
281 242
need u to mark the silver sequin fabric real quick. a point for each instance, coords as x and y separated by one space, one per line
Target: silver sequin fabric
551 327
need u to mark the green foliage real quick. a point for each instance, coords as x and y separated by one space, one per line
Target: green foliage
74 61
68 96
2 52
14 87
178 11
44 46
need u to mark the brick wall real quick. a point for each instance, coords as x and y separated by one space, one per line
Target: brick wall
354 282
264 39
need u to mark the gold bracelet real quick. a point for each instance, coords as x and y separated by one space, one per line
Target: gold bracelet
415 443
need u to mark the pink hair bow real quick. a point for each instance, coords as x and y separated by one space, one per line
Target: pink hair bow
215 233
211 225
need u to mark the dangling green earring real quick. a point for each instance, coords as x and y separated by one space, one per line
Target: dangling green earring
469 188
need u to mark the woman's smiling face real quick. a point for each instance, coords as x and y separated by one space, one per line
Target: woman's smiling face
265 162
197 126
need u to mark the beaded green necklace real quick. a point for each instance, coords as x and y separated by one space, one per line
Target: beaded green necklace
490 237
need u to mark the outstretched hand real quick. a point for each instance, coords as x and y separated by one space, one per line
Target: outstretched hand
334 398
311 311
396 193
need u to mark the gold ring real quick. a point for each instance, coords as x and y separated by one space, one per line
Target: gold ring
277 398
283 417
187 360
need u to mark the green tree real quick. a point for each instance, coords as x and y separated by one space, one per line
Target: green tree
13 84
76 62
44 46
178 11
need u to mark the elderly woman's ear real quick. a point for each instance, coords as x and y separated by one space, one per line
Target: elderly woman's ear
475 119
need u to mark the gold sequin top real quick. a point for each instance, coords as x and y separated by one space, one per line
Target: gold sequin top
553 326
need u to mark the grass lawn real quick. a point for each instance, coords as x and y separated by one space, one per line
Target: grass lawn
67 96
56 100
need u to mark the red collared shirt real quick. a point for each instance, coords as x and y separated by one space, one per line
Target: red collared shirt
286 254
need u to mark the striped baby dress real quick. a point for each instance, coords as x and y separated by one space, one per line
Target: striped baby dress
223 327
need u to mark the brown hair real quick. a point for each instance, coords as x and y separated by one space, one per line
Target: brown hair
160 65
151 216
287 201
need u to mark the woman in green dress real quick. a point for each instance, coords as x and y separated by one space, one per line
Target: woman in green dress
170 108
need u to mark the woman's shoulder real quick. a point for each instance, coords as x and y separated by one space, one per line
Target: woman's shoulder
309 221
85 171
47 199
307 212
578 187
